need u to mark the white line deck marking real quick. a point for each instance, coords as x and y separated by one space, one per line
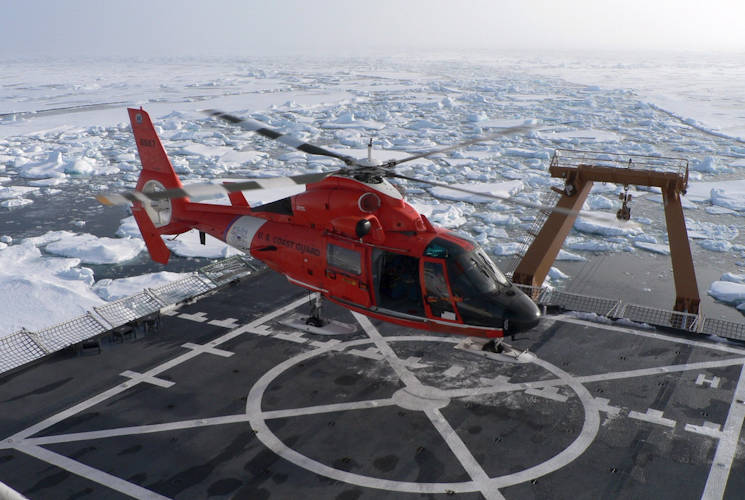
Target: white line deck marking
651 335
463 454
386 350
207 349
315 410
95 475
727 447
142 377
74 410
137 429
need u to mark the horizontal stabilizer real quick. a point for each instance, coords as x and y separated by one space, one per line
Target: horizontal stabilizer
158 250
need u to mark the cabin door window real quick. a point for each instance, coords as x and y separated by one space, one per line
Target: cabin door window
397 286
437 296
346 278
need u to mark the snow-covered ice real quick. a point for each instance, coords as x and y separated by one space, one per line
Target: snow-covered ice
114 289
39 291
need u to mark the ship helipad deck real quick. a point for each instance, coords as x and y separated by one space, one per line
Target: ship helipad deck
224 401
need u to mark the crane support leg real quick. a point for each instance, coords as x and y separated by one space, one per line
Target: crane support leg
541 254
686 289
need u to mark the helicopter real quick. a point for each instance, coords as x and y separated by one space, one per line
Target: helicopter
350 236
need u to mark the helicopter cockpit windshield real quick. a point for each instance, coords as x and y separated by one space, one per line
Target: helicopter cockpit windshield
471 271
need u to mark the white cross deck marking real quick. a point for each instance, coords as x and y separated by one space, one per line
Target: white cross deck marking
551 392
199 317
413 362
725 454
499 380
324 343
707 429
654 417
711 382
603 405
369 353
297 337
207 349
225 323
142 377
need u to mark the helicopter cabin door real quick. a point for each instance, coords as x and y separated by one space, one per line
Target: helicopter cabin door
438 299
346 274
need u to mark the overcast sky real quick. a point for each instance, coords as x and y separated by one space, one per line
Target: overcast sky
204 27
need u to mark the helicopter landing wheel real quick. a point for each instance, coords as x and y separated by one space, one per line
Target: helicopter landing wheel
493 346
315 319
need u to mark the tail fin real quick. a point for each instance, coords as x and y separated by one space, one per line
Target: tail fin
157 174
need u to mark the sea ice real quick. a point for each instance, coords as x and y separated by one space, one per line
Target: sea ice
37 291
569 256
727 291
114 289
500 189
606 224
653 247
92 249
716 245
187 245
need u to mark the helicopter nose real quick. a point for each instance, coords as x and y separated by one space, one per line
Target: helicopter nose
522 314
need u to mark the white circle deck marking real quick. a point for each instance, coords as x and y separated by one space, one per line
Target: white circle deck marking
422 398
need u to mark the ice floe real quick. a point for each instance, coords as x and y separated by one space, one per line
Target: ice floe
114 289
39 291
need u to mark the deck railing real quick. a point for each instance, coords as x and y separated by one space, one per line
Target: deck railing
24 347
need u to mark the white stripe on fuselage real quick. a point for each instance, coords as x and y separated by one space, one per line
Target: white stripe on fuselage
241 233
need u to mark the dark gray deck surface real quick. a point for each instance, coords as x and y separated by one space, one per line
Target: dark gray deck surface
224 402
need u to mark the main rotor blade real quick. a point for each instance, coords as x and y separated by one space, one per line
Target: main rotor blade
424 154
202 189
506 199
286 139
